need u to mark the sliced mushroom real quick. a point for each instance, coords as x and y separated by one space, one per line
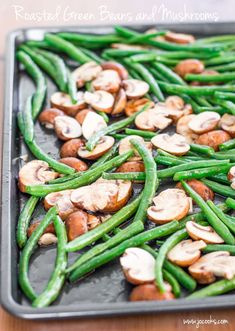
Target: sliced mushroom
131 166
105 143
149 292
75 163
179 38
135 88
47 117
227 123
189 66
95 197
76 224
125 145
35 172
70 148
118 67
186 252
175 144
204 122
91 124
138 266
120 103
107 80
212 265
171 112
204 191
133 106
67 128
63 102
231 176
86 73
213 138
170 204
151 120
206 233
183 129
47 239
93 221
63 202
175 102
49 229
81 115
100 100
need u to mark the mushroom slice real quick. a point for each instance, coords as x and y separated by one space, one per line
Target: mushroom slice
47 239
206 233
35 172
212 265
231 176
175 102
63 202
131 166
76 224
105 143
134 106
125 146
150 292
100 100
47 117
120 103
204 191
175 144
173 113
179 38
204 122
189 66
213 138
138 266
91 124
67 128
107 80
63 102
70 148
95 197
170 204
75 163
118 67
183 129
151 120
186 252
81 115
135 88
227 123
86 73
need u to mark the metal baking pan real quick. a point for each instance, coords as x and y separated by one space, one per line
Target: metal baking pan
105 292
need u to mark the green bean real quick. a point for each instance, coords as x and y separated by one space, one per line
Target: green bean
219 247
40 44
220 178
142 38
157 75
24 219
113 127
225 95
116 251
219 287
122 235
200 173
57 278
202 149
211 217
118 136
168 73
226 77
104 115
28 251
41 87
223 217
224 67
223 38
122 53
28 121
87 177
221 189
164 249
216 109
220 60
90 38
165 160
151 180
141 133
230 203
93 56
228 105
173 282
66 47
124 175
72 87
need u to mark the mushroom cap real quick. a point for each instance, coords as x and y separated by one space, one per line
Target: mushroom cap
81 115
135 88
206 233
227 123
86 72
151 120
138 266
170 112
47 117
179 38
175 102
186 252
70 147
107 80
125 146
133 106
131 166
212 265
67 128
170 204
100 100
91 124
33 226
63 102
75 163
35 172
76 224
189 66
174 144
204 191
120 103
105 143
213 138
183 129
118 67
150 292
204 122
47 239
63 202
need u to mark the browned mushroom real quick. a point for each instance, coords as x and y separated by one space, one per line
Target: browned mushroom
81 115
135 88
179 38
183 129
204 191
75 163
213 138
125 146
35 172
86 73
121 70
107 80
47 117
186 252
100 100
49 229
174 144
152 120
149 292
70 148
170 204
189 66
105 143
206 233
67 128
63 102
175 102
91 124
131 166
204 122
47 239
120 103
133 106
227 123
76 224
93 221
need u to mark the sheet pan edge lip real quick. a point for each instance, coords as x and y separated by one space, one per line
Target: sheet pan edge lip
84 310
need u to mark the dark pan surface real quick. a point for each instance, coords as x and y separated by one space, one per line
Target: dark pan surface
104 292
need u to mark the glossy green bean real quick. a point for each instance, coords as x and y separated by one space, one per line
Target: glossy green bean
92 55
230 203
141 133
230 144
90 38
28 121
217 288
72 87
202 149
220 247
222 216
225 96
205 78
200 173
124 175
221 189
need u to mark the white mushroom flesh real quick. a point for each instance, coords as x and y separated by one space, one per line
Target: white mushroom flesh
63 101
135 88
107 80
151 120
206 233
100 100
91 124
47 239
125 146
183 129
104 144
86 73
174 144
227 123
62 200
67 127
204 122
